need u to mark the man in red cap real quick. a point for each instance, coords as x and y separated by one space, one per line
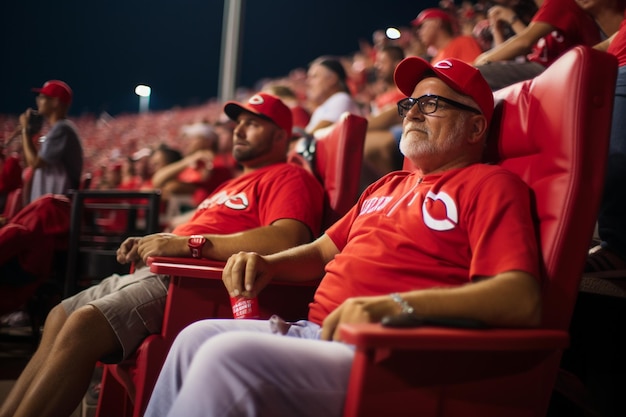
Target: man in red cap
58 164
272 206
430 242
437 30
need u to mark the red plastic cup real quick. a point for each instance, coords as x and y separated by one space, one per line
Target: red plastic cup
245 308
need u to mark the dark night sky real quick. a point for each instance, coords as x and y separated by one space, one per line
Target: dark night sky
104 49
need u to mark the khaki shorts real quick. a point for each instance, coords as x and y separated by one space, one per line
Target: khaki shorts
132 304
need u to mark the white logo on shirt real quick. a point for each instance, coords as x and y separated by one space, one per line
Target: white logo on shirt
237 201
374 204
451 212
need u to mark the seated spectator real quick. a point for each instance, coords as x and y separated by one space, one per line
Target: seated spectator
108 321
162 156
224 156
557 26
194 176
390 254
381 153
328 93
508 18
135 173
437 31
301 116
111 177
610 255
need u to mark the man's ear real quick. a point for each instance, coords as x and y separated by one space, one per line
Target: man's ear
479 127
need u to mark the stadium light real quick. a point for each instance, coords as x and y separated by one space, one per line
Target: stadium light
393 33
143 91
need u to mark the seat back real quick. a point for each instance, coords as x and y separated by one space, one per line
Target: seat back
553 132
336 162
100 221
13 204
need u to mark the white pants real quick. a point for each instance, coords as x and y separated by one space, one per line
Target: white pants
240 368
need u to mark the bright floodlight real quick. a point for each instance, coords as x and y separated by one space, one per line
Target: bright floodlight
392 33
143 90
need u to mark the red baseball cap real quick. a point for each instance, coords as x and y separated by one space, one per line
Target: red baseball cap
264 105
458 75
57 89
433 13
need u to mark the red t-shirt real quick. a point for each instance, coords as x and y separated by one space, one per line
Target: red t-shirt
407 233
618 44
463 47
386 99
573 27
10 174
279 191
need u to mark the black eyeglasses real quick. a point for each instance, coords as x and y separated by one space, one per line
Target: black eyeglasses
429 104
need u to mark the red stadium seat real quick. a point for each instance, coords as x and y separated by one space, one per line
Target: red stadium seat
553 132
13 204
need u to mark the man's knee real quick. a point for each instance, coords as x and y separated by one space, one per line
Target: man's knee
85 327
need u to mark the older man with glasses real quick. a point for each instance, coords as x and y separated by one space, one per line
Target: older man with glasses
429 242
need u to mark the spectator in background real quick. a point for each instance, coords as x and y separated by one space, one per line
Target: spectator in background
610 255
59 162
557 26
192 178
437 30
328 93
510 17
384 128
111 176
301 116
135 171
224 156
162 156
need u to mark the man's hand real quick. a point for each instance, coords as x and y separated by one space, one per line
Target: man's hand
358 310
127 252
23 119
162 244
246 274
500 14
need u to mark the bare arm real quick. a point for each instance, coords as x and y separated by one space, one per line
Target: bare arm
384 120
509 299
604 45
248 273
281 234
517 45
172 170
322 124
30 153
